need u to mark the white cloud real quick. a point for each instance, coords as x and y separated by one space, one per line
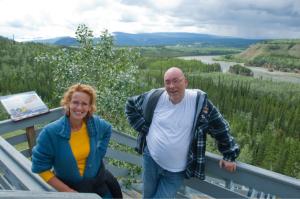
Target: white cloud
241 18
165 4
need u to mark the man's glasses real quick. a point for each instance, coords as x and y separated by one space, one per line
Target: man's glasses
175 81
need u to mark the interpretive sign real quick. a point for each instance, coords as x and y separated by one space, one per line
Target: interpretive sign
23 105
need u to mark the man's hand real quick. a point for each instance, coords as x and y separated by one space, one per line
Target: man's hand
229 166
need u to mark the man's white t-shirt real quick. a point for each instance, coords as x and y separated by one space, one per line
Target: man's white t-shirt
170 133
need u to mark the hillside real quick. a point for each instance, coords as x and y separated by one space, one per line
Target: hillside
281 55
286 48
161 39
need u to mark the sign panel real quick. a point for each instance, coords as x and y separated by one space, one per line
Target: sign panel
23 105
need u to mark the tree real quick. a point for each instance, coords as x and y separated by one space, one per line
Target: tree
112 71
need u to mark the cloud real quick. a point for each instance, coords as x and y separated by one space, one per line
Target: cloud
239 18
133 2
128 18
15 24
255 18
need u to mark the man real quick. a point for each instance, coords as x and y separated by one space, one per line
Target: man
172 125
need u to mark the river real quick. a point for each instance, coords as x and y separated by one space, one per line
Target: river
258 72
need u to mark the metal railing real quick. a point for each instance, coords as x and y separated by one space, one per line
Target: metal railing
247 182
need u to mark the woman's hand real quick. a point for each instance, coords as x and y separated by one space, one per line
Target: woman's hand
59 185
72 190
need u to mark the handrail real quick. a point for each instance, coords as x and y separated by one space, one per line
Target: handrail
9 125
19 167
216 185
45 195
256 177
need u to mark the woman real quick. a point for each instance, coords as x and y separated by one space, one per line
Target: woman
69 151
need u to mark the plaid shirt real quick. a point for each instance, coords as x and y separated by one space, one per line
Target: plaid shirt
207 120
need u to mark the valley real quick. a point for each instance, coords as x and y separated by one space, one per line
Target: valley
259 72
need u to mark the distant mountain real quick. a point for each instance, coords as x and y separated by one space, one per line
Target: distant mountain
161 39
173 38
60 41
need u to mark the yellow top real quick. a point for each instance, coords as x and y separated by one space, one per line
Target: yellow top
80 145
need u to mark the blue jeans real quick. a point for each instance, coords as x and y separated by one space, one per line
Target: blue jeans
158 182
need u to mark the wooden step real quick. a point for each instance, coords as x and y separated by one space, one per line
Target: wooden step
131 193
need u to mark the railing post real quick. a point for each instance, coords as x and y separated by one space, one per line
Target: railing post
229 184
30 134
251 193
182 190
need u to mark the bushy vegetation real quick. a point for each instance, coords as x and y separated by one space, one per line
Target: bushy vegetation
240 70
277 62
165 63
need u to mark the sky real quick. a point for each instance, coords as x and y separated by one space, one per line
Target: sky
40 19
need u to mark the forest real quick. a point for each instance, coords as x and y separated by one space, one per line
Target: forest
264 115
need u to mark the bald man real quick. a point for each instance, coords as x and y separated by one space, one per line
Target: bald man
172 123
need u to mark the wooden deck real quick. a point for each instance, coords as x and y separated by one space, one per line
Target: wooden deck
131 193
16 176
